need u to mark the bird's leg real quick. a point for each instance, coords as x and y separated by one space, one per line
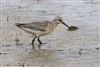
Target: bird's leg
39 40
33 41
40 43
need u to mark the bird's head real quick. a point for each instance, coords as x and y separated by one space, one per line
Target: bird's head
59 20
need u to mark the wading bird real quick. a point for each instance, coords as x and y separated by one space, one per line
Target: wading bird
41 28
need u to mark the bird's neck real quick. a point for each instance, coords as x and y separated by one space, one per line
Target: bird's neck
52 26
54 23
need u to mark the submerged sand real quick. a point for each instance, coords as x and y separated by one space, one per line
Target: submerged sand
64 48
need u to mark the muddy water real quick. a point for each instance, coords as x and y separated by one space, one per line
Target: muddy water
64 48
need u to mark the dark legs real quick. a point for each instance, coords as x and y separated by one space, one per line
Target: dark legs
33 41
38 41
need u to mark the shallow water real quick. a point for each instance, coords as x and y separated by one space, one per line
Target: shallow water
64 48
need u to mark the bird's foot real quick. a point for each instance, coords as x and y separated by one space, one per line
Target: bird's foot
33 47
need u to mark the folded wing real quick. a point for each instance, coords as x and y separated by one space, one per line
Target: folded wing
37 26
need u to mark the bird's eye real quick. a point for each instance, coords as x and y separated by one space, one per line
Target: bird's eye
60 20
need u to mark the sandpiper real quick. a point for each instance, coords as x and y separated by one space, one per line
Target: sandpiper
41 28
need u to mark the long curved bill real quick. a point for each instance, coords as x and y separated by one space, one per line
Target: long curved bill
65 24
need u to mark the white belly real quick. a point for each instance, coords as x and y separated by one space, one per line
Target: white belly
35 32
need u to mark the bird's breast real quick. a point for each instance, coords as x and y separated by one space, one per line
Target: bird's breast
51 27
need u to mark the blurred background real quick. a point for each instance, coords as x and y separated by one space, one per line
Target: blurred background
63 47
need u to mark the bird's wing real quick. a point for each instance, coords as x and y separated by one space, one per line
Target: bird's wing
37 26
